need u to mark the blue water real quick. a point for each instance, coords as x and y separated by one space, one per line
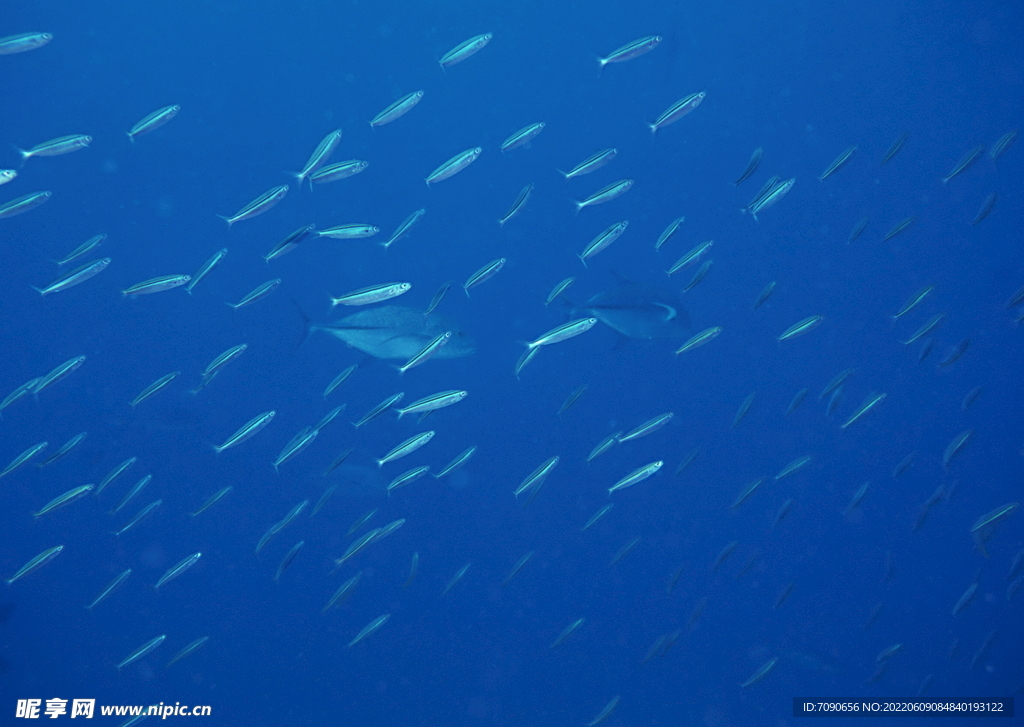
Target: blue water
260 84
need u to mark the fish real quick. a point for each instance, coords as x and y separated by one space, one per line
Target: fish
795 466
37 562
596 517
189 648
894 149
110 588
677 111
178 569
965 161
339 379
591 164
398 109
536 478
957 444
567 632
403 229
433 402
760 674
606 238
523 136
369 629
913 301
699 275
298 443
752 165
427 352
22 42
743 409
765 294
258 294
1003 145
564 332
153 388
258 206
379 409
899 227
638 475
92 242
746 492
153 121
404 479
604 445
23 204
870 402
801 327
352 231
142 651
638 310
464 50
456 463
986 207
215 366
633 49
57 147
836 382
454 165
689 257
372 294
456 578
289 243
768 199
517 205
700 339
571 399
517 567
925 329
7 175
246 431
339 171
114 473
605 712
319 156
139 516
606 194
343 592
484 274
44 382
559 289
648 427
409 446
76 276
834 166
156 285
64 449
135 490
206 269
672 228
858 228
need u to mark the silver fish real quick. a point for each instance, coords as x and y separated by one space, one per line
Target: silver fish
258 206
398 109
465 49
454 165
153 121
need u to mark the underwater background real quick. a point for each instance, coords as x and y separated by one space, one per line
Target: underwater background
685 595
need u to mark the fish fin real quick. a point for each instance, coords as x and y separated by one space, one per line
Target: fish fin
669 311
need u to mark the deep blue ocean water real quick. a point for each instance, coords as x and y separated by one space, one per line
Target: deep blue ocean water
259 85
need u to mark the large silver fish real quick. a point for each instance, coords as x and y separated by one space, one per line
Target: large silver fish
638 310
397 332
